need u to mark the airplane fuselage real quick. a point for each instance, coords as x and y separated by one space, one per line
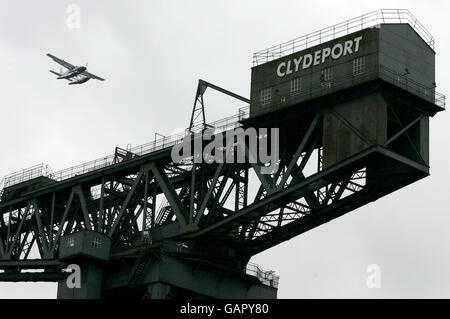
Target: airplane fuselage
72 73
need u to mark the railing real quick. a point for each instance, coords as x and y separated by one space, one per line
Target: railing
232 122
167 141
267 278
244 112
386 16
26 175
158 144
338 83
427 93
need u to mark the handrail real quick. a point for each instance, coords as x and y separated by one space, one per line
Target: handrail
371 19
267 278
371 72
158 144
27 174
232 122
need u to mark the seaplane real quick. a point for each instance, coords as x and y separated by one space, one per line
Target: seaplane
74 74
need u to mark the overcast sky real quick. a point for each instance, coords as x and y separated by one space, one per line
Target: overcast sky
152 54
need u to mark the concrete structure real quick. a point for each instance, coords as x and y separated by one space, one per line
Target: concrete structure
358 118
394 52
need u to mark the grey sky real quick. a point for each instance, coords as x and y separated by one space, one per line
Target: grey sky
152 54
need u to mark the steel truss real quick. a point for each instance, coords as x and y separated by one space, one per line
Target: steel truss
140 202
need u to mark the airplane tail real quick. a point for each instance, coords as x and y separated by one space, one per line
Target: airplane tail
56 73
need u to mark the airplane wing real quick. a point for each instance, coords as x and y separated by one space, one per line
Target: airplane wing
65 64
92 76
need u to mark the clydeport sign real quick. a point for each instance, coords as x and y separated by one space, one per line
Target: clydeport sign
319 57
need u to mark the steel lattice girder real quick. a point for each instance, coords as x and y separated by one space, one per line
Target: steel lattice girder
287 203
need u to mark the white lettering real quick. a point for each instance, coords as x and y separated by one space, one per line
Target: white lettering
281 74
357 43
317 57
307 64
325 54
297 63
348 47
374 279
320 56
335 55
74 279
194 309
288 69
73 19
